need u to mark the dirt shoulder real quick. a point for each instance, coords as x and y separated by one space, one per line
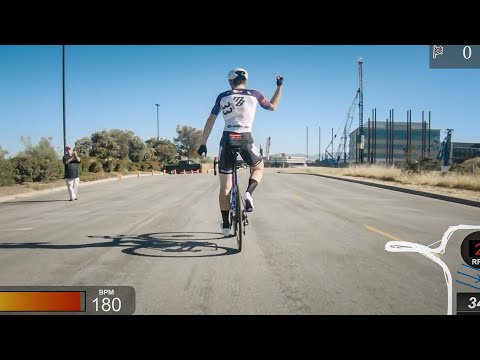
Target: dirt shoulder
29 188
35 187
453 192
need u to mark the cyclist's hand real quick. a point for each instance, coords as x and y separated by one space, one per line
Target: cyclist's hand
279 80
202 149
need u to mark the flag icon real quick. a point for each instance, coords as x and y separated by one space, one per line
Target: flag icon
437 50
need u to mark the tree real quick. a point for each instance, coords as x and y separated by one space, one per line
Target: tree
44 149
104 146
84 146
3 153
122 138
188 141
164 150
6 169
37 162
138 150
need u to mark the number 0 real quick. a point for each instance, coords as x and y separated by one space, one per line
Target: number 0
467 52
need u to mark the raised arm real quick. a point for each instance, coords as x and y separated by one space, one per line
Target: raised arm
276 96
69 158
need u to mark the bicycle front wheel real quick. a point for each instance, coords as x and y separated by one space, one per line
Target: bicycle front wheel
238 219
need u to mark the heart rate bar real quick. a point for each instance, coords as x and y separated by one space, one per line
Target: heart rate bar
42 301
66 300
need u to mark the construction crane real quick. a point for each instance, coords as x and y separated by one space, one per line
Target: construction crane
434 142
446 148
267 149
346 131
342 146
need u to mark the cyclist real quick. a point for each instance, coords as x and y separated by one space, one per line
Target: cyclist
238 106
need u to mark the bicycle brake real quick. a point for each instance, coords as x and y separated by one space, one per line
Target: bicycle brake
244 217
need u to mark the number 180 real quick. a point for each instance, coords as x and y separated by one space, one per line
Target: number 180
115 304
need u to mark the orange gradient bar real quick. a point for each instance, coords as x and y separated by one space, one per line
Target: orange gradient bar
51 301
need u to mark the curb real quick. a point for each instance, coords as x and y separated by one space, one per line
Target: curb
83 183
29 194
62 187
404 190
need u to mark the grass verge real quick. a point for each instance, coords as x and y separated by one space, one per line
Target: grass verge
395 175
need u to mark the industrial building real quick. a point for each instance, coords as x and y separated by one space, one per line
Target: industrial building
282 160
462 151
388 141
395 135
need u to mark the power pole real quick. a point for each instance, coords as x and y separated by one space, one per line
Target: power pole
319 142
158 124
267 149
307 143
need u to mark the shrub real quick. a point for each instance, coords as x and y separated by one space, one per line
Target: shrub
120 165
6 172
108 165
144 166
95 166
132 166
472 166
155 165
26 168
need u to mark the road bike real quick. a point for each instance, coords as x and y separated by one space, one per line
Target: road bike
238 214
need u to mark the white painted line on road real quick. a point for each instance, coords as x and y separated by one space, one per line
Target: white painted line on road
383 233
21 229
298 197
434 243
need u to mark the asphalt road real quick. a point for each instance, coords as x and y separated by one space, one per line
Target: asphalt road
313 246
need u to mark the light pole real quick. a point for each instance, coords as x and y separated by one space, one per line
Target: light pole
63 101
158 126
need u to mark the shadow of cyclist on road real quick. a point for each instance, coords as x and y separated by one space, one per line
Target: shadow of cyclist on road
161 244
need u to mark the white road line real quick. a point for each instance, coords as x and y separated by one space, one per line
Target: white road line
20 229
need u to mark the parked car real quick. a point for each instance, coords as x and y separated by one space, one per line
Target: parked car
182 165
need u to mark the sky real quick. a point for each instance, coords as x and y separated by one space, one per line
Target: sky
116 87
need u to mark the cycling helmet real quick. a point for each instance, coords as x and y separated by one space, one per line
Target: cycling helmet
236 73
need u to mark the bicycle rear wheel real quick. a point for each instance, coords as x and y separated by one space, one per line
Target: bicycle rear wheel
238 219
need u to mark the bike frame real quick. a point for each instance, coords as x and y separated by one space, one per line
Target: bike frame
238 215
237 205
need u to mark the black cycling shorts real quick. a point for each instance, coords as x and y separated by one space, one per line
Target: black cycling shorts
247 150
